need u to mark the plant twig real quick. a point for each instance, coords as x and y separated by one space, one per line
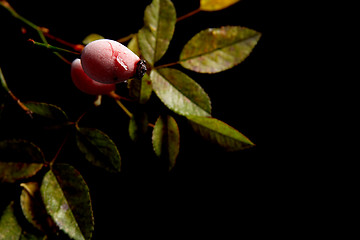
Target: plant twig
46 45
39 30
76 47
123 108
188 15
5 86
126 38
167 65
128 112
59 150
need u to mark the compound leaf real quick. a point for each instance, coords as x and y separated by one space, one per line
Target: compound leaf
67 200
19 159
215 5
217 49
220 133
99 149
159 25
166 139
180 93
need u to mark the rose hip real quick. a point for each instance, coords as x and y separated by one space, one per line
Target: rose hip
109 61
87 85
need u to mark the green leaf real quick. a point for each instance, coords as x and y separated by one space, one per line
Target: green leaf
180 93
9 226
166 139
19 159
140 89
159 25
92 37
99 149
215 5
138 125
220 133
67 200
47 111
217 49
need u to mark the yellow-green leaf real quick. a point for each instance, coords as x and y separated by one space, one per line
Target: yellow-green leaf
19 159
220 133
217 49
133 45
159 25
67 200
166 139
140 89
9 226
215 5
138 125
92 37
180 93
99 149
47 111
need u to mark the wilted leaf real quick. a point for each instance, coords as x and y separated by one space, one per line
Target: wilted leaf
219 132
47 111
140 89
67 200
138 125
9 226
159 25
33 208
215 5
29 204
166 139
217 49
92 37
180 93
19 159
99 149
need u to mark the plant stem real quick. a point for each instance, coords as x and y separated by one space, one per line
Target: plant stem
188 15
78 120
124 108
46 45
167 65
76 47
128 112
38 29
59 150
5 86
126 38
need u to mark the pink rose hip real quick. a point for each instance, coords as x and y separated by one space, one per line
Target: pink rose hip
87 85
108 61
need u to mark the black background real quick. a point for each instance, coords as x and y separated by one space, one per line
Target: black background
209 191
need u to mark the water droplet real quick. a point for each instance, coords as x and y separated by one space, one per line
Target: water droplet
121 62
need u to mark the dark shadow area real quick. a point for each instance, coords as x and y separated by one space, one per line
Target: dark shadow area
210 192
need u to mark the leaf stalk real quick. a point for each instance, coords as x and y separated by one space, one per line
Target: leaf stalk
17 100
